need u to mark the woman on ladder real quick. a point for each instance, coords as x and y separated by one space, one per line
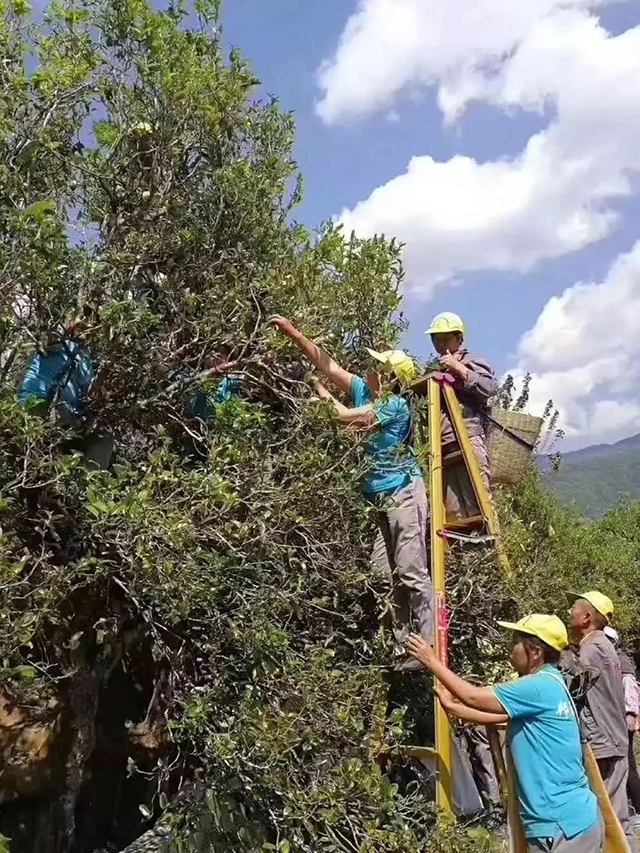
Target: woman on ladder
394 482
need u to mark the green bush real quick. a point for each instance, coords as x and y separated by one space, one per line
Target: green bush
204 611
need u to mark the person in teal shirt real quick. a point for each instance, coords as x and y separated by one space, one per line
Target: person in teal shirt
202 403
393 481
63 374
558 809
201 400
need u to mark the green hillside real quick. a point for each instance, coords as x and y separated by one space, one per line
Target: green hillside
597 477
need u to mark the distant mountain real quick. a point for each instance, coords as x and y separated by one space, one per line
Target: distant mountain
596 477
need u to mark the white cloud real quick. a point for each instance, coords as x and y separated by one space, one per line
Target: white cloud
584 353
556 196
390 45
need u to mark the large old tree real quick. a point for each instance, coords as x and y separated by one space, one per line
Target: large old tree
198 626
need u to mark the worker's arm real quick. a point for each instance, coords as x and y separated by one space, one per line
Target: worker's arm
480 698
476 376
363 417
318 357
468 715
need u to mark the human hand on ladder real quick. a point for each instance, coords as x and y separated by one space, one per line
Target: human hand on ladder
421 650
453 364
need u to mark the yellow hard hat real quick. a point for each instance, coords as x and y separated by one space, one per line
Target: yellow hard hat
602 603
445 322
396 361
549 629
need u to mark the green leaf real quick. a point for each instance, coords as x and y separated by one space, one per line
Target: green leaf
107 133
41 210
24 673
20 8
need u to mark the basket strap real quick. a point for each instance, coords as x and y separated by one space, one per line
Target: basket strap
510 432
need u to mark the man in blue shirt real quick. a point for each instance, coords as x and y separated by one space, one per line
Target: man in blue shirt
201 397
63 374
559 811
202 403
394 481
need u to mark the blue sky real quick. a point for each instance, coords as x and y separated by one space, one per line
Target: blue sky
387 93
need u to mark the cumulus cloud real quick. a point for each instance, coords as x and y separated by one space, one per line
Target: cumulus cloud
584 353
557 195
390 45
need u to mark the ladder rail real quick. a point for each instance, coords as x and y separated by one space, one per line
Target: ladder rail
438 395
444 784
483 498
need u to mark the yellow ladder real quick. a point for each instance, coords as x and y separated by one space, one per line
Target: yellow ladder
438 393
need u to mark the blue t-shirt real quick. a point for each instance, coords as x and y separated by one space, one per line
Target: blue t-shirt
393 465
202 403
66 369
544 738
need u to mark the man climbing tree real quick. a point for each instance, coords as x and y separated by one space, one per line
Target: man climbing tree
63 376
394 480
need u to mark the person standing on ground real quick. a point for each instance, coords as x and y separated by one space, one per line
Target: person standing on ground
559 811
394 482
602 716
475 384
631 708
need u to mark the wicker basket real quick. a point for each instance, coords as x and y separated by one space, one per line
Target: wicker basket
511 439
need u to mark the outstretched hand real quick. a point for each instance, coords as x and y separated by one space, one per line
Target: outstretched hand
421 650
281 323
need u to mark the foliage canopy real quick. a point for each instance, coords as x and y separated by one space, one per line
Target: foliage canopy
200 623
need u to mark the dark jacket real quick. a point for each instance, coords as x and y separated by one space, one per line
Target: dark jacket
474 395
602 717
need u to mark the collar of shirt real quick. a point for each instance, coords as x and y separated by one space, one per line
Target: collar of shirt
589 635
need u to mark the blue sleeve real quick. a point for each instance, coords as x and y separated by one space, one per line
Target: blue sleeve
86 373
522 698
360 392
228 387
391 409
29 386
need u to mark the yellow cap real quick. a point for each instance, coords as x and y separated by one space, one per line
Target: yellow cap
549 629
396 361
602 603
445 322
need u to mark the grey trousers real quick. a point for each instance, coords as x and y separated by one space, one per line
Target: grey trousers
400 554
615 772
482 766
460 497
587 842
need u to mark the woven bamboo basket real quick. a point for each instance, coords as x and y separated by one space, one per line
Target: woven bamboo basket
511 437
